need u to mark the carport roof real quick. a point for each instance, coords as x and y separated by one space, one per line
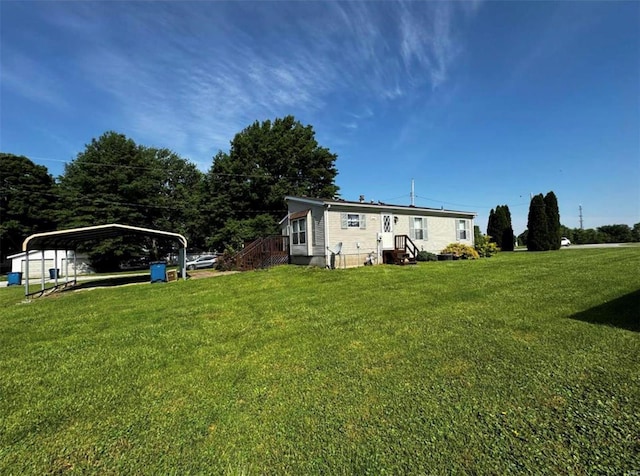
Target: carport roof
70 239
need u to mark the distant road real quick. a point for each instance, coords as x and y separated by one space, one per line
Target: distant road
596 245
602 245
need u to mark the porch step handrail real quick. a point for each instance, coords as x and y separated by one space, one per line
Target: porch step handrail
403 242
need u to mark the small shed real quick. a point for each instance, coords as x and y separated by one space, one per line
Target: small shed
68 262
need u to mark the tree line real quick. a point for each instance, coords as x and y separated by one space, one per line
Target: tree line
544 230
240 197
619 233
115 180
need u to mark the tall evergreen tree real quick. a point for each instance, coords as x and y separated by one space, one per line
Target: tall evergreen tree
553 221
492 225
499 227
245 188
508 238
538 235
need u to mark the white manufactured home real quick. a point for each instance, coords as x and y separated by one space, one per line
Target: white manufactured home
322 232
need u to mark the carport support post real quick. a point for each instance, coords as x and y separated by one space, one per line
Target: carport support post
26 269
42 268
182 261
66 266
55 265
75 267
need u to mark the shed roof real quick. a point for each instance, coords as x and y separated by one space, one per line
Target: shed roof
71 238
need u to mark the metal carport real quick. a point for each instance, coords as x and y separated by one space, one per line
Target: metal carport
70 239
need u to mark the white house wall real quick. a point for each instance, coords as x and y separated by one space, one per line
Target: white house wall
351 237
441 231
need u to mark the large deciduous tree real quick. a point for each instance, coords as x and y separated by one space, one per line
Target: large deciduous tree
109 182
179 195
27 201
246 187
114 180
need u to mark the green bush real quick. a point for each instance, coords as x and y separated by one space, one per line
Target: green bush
227 261
485 247
458 250
426 256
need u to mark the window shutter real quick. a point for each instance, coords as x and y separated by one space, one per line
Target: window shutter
412 228
424 224
363 222
343 219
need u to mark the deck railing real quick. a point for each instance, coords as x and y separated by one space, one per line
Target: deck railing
263 253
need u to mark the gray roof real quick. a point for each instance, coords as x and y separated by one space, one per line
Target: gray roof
379 206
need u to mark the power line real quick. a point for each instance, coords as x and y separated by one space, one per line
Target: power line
465 205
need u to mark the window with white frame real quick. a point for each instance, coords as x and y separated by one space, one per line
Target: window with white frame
299 231
418 228
353 220
463 229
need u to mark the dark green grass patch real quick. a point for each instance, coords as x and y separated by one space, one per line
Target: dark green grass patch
524 362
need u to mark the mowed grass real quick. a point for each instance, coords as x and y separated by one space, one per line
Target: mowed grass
524 362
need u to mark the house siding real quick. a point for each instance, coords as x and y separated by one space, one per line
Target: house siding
315 231
350 237
359 242
441 231
318 241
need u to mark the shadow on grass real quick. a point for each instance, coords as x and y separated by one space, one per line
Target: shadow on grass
108 282
623 312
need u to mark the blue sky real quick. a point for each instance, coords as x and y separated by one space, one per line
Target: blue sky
481 103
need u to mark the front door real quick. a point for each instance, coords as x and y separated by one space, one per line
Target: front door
387 231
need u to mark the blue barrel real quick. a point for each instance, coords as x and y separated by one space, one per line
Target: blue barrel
54 273
158 272
14 279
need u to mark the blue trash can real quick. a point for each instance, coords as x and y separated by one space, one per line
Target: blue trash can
14 279
54 273
158 272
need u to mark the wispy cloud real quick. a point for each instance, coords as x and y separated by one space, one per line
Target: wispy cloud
31 80
191 75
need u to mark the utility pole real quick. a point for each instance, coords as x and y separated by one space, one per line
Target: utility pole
581 225
413 194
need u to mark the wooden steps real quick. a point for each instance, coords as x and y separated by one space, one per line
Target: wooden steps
403 258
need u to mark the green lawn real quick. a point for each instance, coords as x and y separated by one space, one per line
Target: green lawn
519 363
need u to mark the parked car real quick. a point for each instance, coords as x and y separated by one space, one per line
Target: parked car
135 263
204 261
564 241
